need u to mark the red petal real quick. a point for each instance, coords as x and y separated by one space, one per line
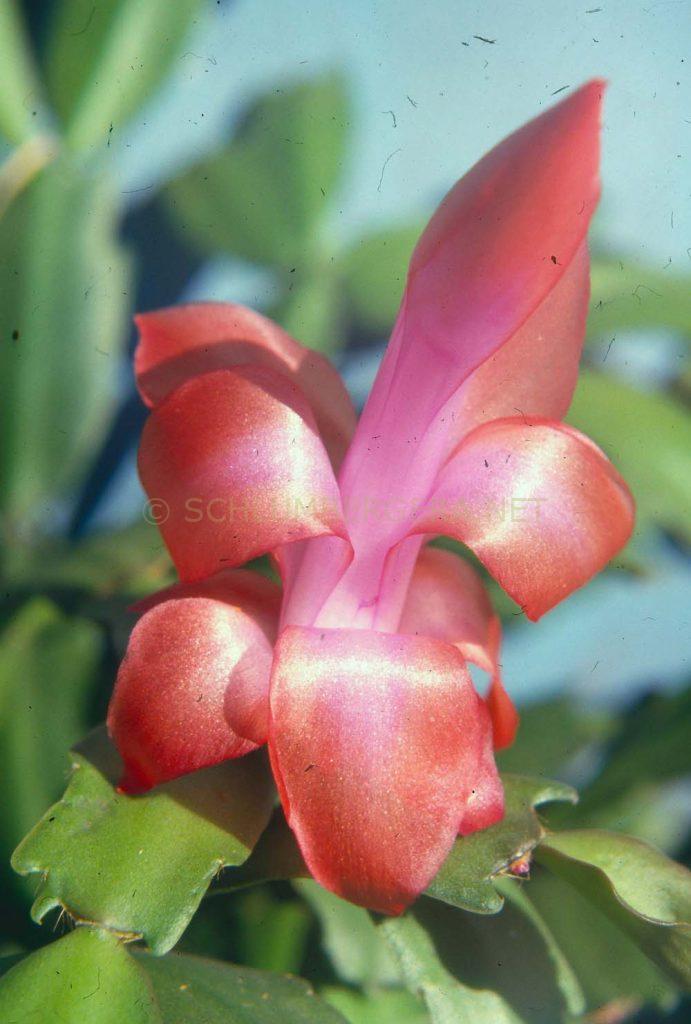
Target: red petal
534 373
234 461
192 689
247 706
242 588
539 504
505 717
377 742
185 341
485 804
503 236
447 600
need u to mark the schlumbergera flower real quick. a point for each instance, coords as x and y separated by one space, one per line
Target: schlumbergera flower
355 671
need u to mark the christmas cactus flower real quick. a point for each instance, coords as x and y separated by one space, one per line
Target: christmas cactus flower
355 670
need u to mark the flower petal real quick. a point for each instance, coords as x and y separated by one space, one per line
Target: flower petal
501 241
501 262
305 592
485 805
192 689
247 704
243 588
505 717
534 373
377 742
447 600
538 503
492 253
181 342
232 462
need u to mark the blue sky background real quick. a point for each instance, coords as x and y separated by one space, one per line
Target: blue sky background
468 94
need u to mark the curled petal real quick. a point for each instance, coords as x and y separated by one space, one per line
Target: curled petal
259 599
538 503
192 689
234 460
181 342
447 600
377 742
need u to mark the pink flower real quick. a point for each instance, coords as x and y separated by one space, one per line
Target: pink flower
356 672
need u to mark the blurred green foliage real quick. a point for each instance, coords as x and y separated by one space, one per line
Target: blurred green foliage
20 81
269 197
629 297
648 437
106 58
92 965
263 197
612 971
638 888
64 282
